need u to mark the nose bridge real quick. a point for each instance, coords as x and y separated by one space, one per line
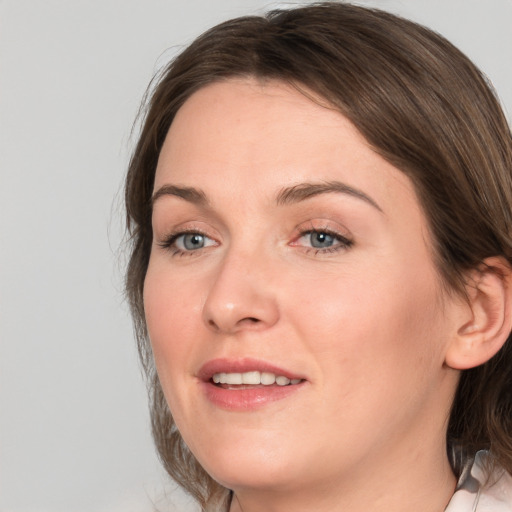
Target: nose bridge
241 294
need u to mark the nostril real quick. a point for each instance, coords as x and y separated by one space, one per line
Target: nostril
250 320
246 322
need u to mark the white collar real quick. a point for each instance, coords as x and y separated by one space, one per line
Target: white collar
476 492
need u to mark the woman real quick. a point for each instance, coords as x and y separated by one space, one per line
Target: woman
320 209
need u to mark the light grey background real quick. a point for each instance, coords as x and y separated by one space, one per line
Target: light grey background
73 416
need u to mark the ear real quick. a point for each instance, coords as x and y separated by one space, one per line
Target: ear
486 325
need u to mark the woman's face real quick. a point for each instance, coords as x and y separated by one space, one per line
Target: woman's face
284 247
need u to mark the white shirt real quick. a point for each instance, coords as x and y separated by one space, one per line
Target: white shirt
478 493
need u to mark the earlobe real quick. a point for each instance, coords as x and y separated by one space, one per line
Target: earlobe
489 320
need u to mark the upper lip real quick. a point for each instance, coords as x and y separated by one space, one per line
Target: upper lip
225 365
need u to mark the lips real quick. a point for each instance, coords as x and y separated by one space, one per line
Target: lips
245 365
246 384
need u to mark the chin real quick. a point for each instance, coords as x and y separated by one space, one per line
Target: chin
257 474
252 463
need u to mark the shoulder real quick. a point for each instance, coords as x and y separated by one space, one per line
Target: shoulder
479 492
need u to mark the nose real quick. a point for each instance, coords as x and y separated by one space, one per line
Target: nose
242 296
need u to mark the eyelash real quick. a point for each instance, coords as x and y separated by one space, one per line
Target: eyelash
343 242
169 243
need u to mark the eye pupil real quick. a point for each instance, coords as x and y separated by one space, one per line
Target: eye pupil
321 240
193 241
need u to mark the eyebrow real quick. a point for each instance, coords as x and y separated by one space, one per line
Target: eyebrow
288 195
190 194
303 191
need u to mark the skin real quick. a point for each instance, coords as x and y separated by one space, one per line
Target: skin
367 324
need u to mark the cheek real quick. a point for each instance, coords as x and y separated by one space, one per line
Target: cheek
173 316
372 322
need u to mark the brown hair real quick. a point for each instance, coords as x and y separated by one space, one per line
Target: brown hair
424 107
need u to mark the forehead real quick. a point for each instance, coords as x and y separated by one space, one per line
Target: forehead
271 132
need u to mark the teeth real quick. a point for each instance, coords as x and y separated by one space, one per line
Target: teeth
232 378
282 381
253 378
267 378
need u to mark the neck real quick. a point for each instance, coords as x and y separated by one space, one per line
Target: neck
425 484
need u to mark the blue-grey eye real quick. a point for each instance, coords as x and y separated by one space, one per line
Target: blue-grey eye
193 241
190 241
321 240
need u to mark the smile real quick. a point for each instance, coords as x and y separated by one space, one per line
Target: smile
246 384
254 378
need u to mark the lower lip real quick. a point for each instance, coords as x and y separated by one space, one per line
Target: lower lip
249 398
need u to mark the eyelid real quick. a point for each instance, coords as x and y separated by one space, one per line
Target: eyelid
176 238
173 235
168 241
341 238
324 226
341 234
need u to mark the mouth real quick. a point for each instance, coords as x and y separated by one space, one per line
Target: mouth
252 378
246 384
